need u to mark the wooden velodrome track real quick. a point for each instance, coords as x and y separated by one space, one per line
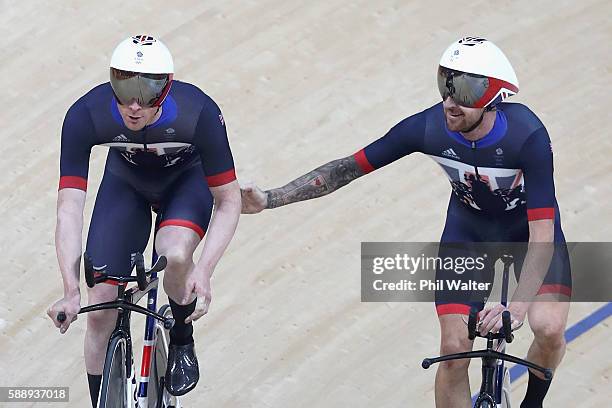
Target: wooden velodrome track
300 83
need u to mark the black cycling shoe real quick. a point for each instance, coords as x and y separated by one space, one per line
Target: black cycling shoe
182 372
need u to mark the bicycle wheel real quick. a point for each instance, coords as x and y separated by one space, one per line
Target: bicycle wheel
485 404
113 393
157 393
505 395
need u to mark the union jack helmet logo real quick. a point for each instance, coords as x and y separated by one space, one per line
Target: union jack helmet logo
143 40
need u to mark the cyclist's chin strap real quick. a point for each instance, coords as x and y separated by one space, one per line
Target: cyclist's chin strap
479 121
153 117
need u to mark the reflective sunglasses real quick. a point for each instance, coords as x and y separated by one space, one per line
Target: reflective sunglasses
147 90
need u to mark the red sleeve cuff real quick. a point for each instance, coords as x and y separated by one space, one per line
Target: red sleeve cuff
221 178
534 214
362 161
73 182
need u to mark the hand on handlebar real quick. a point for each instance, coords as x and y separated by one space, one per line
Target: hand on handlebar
491 318
69 305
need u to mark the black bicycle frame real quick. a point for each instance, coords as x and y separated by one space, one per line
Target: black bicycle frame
125 304
126 299
489 389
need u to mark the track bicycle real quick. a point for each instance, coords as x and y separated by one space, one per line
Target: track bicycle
118 389
495 386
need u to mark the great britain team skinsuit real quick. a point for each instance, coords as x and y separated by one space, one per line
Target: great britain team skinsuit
499 183
169 165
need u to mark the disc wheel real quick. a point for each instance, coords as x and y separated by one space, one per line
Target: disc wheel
113 393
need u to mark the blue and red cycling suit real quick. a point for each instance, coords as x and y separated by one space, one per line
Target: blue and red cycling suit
169 165
499 183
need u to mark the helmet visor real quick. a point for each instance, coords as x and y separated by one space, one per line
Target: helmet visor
466 89
146 89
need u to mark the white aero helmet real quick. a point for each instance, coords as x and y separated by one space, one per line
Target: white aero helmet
476 74
141 69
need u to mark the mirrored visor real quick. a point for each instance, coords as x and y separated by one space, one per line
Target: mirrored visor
146 89
465 89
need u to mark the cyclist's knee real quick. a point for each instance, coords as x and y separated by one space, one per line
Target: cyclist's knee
101 321
177 245
180 258
455 344
549 334
548 321
454 339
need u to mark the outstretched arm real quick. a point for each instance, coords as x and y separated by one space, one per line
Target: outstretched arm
404 138
316 183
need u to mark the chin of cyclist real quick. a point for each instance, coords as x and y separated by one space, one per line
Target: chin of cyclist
499 162
168 151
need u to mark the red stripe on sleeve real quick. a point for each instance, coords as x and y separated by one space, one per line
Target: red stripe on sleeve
73 182
363 162
540 214
221 178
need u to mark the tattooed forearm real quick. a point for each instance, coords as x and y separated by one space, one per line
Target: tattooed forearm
319 182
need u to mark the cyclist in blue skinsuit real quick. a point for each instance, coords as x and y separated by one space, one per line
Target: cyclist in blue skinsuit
499 161
168 151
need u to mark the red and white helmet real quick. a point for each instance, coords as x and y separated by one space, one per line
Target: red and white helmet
476 73
141 69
